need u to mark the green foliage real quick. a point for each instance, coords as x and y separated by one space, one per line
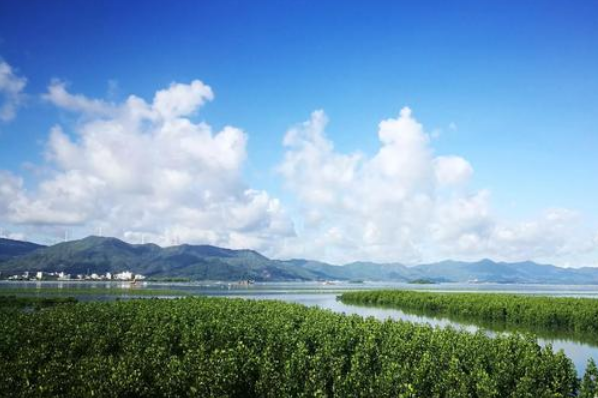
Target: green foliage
208 347
87 289
576 315
589 383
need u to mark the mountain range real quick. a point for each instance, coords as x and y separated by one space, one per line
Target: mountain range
203 262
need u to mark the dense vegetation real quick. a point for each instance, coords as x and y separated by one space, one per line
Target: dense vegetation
577 315
209 347
86 289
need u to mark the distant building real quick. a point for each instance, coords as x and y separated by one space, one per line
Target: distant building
124 276
62 276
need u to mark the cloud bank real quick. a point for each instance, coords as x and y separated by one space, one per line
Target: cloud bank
407 204
147 170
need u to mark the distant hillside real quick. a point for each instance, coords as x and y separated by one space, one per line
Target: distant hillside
10 248
360 271
501 272
101 255
202 262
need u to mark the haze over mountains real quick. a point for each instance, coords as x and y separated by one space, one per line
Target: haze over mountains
203 262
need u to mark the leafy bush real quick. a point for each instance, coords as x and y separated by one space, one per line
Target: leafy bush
209 347
578 315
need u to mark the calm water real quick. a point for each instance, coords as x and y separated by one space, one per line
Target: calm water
325 296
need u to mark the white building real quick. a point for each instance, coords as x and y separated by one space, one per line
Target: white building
39 275
124 276
62 276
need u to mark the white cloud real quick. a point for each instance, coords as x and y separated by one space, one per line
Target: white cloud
314 171
145 170
452 170
11 91
59 96
458 219
557 235
406 204
139 168
10 191
373 209
181 99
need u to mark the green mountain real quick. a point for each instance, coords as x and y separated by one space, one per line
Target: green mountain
10 248
360 271
202 262
100 255
501 272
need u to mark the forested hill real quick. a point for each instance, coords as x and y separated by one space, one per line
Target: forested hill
10 248
199 262
202 262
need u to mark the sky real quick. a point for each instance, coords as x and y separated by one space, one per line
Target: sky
386 131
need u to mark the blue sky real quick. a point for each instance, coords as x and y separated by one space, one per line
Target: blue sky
510 87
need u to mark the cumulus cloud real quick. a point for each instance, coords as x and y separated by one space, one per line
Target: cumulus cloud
145 169
405 203
181 99
452 170
11 91
374 208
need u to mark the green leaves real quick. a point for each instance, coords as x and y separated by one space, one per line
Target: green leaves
589 383
208 347
574 315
